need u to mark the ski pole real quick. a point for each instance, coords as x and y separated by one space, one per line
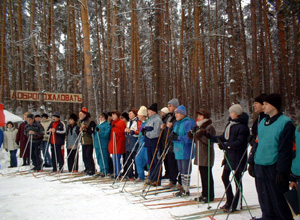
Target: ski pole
99 142
189 168
208 172
198 182
30 151
24 153
44 155
74 147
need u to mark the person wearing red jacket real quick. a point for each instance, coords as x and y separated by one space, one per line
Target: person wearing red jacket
116 145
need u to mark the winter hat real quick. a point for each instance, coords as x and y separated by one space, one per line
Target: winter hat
260 98
153 107
125 115
174 102
37 116
56 114
181 110
205 113
74 117
30 116
165 110
84 110
9 122
116 112
236 108
134 111
45 115
275 100
142 111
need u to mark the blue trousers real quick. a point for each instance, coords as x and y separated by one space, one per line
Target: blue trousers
117 163
46 154
13 158
102 162
141 161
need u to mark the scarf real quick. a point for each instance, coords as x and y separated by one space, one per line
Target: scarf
227 129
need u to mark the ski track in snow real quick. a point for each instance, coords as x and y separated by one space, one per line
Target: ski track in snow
24 197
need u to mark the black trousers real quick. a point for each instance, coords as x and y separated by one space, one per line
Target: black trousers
131 171
36 156
204 181
172 167
155 168
72 160
270 195
230 199
57 157
88 160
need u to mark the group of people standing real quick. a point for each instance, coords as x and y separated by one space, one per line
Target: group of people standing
128 144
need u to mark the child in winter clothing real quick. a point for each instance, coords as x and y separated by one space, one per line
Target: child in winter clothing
10 144
183 148
101 140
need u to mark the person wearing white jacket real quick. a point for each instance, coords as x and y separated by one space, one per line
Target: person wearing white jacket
10 144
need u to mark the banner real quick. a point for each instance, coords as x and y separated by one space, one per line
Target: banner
48 96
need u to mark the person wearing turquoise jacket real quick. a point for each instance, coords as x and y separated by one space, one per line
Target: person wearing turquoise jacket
101 140
296 164
183 148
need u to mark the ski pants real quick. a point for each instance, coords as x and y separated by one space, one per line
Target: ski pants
102 162
141 161
154 169
270 195
204 181
72 160
13 158
117 163
36 156
131 172
46 154
87 157
172 167
57 157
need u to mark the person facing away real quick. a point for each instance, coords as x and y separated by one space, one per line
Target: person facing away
273 158
35 132
10 144
57 131
101 140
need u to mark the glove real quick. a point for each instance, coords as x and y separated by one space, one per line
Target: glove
144 131
251 170
281 179
221 145
190 134
97 129
195 129
113 125
173 136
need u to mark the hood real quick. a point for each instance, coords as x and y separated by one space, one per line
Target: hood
243 119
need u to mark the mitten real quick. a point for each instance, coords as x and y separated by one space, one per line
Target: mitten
97 129
190 134
173 136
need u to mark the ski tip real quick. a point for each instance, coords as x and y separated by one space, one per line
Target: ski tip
212 218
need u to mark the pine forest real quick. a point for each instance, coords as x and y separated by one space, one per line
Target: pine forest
121 54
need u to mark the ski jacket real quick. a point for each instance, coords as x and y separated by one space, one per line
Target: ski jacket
38 129
235 139
58 138
275 142
132 136
201 149
296 161
21 140
117 137
103 135
72 135
45 125
183 146
10 139
87 133
153 131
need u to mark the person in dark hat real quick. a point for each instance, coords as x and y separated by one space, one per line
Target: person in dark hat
273 158
72 143
35 132
204 158
37 118
87 126
57 131
45 122
152 133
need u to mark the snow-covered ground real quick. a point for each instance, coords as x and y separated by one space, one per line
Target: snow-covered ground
25 197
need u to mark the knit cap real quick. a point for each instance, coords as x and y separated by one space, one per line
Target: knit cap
153 107
142 111
174 102
260 98
275 100
181 110
165 110
56 114
236 108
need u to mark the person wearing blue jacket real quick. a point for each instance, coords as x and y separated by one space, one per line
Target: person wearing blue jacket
183 148
101 140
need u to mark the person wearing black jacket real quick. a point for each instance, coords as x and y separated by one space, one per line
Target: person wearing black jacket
234 143
57 131
87 126
35 132
272 160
